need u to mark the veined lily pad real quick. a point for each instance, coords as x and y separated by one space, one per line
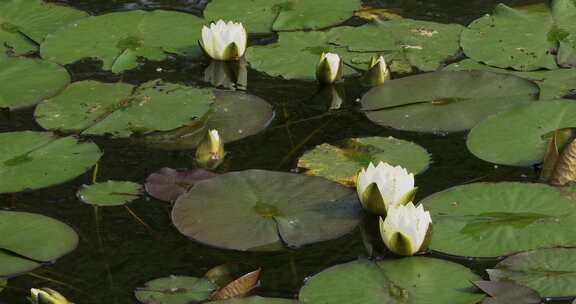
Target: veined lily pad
342 162
119 39
34 160
31 239
260 210
235 115
282 15
523 40
25 82
498 219
95 108
25 23
413 280
422 44
519 137
255 300
110 193
551 272
553 84
168 184
175 290
445 101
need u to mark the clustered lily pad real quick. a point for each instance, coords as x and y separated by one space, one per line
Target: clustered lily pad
25 23
119 109
119 39
445 101
25 82
33 160
411 280
283 15
490 220
343 161
30 240
261 210
110 193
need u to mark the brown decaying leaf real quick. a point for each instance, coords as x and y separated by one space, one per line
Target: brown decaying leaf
558 140
505 292
239 287
565 169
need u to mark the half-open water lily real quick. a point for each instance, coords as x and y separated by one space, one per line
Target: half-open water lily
224 40
329 69
407 229
384 186
47 296
377 72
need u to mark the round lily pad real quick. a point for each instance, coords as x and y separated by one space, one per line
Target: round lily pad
521 39
119 39
235 115
175 290
255 300
260 210
30 239
283 15
34 160
25 23
553 83
496 219
110 193
168 184
519 137
413 280
342 162
551 272
25 82
119 109
445 101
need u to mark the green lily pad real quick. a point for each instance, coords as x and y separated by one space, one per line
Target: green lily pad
523 40
34 160
553 84
120 39
258 210
175 290
551 272
519 137
255 300
235 115
445 101
25 23
30 239
25 82
413 280
497 219
342 162
283 15
119 109
422 44
110 193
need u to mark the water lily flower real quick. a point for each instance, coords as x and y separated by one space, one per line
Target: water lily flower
377 72
47 296
224 41
329 69
407 229
210 153
384 186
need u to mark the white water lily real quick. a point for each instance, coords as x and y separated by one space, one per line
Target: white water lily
224 41
377 72
47 296
384 186
329 68
210 153
407 229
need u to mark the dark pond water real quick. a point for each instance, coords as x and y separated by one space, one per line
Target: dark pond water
126 248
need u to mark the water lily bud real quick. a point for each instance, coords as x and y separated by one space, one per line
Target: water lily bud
210 153
384 186
224 41
47 296
407 229
378 72
329 69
